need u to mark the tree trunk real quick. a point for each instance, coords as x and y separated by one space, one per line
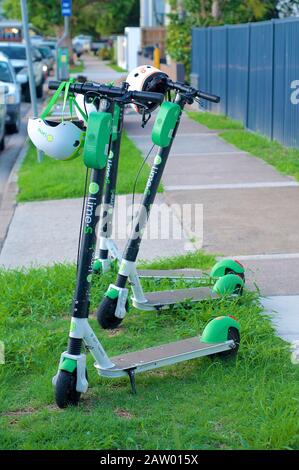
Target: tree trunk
215 9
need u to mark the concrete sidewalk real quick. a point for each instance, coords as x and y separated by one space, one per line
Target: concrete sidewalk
98 71
250 212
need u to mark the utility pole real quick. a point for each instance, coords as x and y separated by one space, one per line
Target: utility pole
62 52
30 65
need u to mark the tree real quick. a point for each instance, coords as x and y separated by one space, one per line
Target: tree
95 17
288 8
188 13
45 16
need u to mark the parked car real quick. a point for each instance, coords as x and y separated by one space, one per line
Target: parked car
3 90
8 79
17 54
78 48
84 41
48 59
52 44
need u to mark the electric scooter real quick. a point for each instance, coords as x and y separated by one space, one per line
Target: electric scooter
227 276
108 250
220 337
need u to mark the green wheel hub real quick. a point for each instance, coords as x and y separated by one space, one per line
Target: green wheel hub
97 266
217 330
227 266
229 285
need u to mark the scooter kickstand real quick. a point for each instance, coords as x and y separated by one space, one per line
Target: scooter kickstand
131 374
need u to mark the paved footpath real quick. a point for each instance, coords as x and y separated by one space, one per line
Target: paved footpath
250 212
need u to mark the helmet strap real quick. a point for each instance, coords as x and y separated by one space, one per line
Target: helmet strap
74 102
52 101
65 98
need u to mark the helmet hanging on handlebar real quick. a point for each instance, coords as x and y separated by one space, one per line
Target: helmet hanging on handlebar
59 140
147 78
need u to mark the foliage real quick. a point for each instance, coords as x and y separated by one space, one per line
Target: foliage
106 53
45 15
186 14
96 17
215 121
178 42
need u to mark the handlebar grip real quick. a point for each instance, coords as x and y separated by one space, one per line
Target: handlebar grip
208 97
148 96
53 84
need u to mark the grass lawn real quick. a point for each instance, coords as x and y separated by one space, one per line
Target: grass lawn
201 404
284 159
77 68
116 67
192 260
54 179
214 121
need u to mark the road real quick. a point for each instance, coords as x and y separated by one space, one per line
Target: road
13 145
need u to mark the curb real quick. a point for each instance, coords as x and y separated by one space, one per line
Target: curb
9 203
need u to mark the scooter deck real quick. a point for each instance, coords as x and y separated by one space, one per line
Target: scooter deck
171 273
166 354
164 299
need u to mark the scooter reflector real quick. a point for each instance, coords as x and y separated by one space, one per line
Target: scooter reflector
97 140
165 123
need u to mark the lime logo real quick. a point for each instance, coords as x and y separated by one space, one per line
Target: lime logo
158 160
89 278
94 188
49 137
111 155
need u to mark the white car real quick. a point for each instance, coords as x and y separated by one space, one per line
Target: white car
82 40
8 80
16 52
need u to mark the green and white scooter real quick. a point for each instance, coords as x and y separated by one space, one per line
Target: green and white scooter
221 336
109 253
227 277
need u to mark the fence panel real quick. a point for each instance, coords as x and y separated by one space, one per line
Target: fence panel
238 57
291 115
218 75
255 69
279 85
199 55
260 101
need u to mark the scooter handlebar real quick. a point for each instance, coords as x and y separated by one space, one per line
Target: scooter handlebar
110 91
181 87
208 96
147 96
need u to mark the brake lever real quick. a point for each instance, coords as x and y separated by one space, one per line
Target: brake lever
145 118
202 103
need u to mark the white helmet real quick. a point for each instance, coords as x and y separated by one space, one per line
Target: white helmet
147 78
59 140
82 106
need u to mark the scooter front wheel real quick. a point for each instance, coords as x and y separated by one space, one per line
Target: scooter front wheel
234 334
65 389
106 314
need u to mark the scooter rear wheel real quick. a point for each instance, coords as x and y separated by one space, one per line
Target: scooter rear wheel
65 389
